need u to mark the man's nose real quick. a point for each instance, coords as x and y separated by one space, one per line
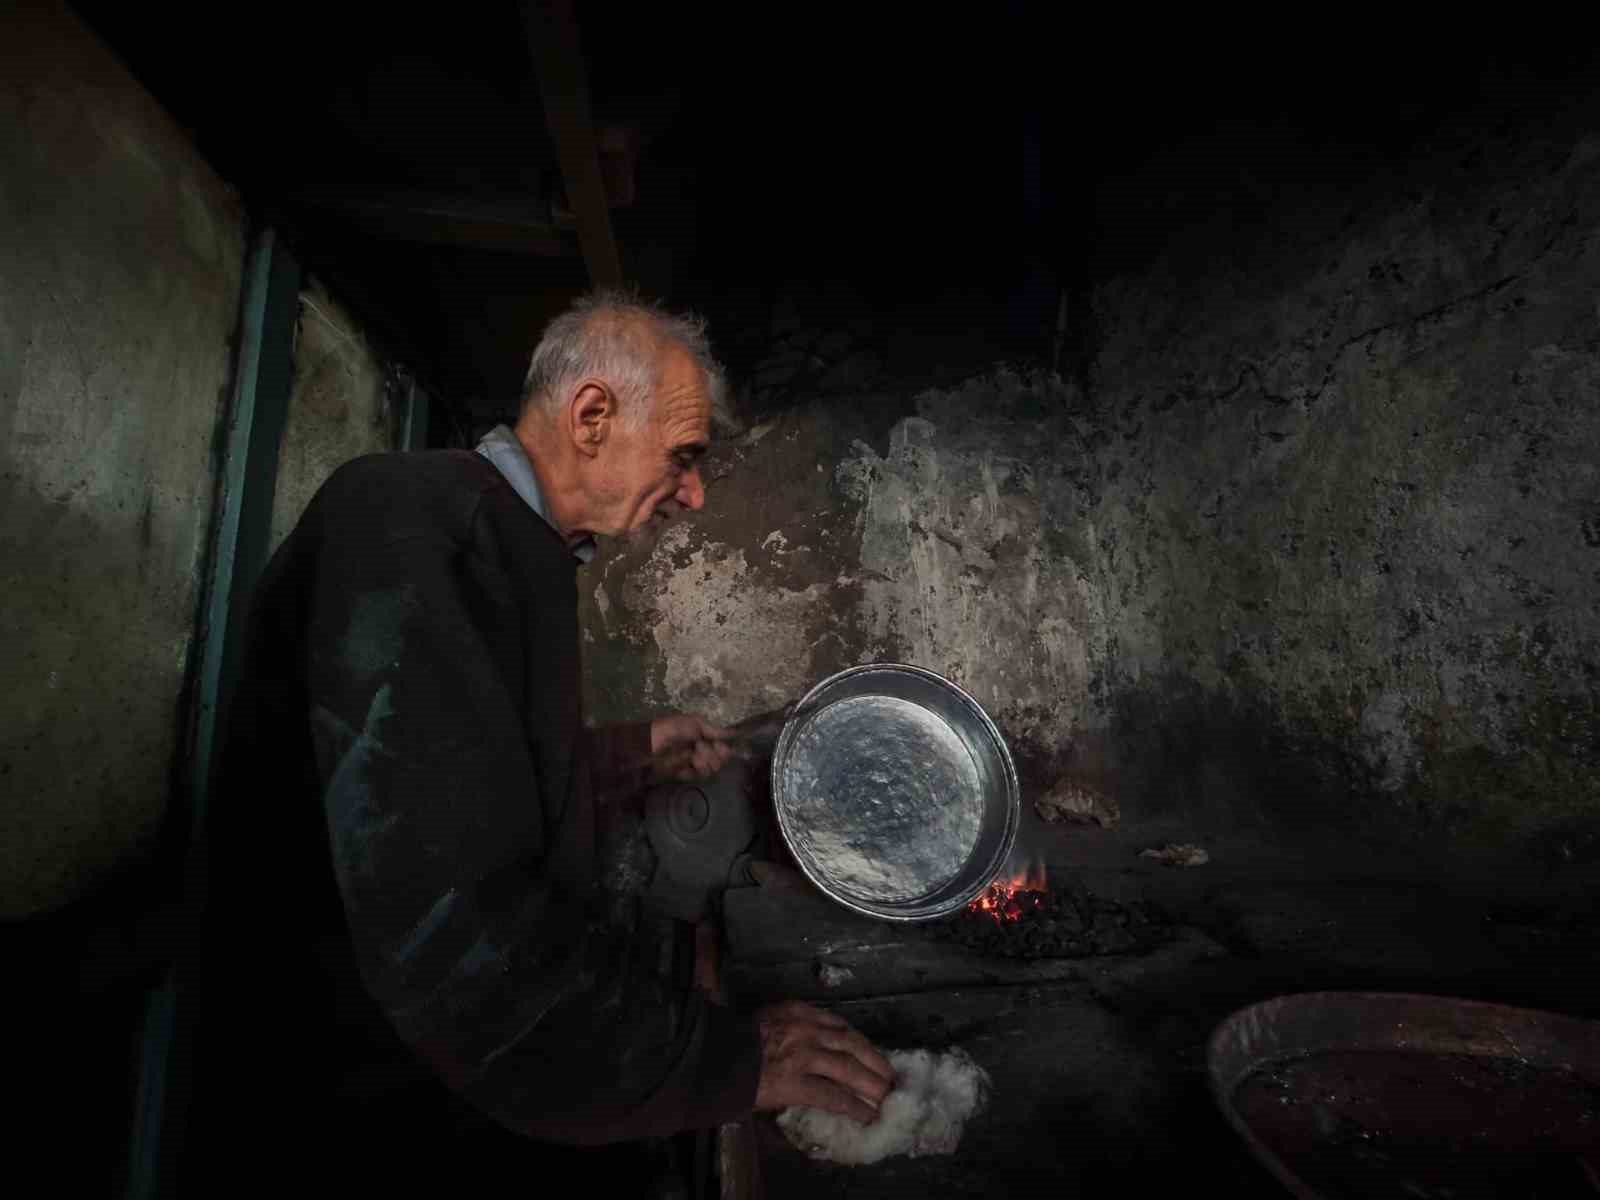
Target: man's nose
692 492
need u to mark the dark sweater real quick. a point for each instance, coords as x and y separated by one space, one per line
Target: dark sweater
407 780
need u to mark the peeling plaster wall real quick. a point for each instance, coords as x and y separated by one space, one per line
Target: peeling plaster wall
713 594
339 407
120 262
1317 544
743 608
944 529
965 558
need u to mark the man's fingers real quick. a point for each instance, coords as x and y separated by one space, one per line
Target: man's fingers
674 763
814 1058
820 1093
846 1069
708 759
715 733
692 760
848 1041
685 731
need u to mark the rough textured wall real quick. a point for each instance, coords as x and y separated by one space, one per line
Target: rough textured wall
943 529
1348 526
120 260
1318 542
340 407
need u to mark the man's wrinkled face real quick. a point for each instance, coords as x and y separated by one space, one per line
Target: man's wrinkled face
656 469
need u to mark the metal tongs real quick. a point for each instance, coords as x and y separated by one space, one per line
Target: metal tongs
757 735
752 739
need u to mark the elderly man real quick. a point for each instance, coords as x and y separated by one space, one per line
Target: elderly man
409 785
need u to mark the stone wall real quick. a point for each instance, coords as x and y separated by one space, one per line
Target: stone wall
1348 505
120 262
1315 542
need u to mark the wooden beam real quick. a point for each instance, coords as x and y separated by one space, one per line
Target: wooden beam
552 31
509 225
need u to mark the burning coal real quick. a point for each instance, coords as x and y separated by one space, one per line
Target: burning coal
1008 900
1022 916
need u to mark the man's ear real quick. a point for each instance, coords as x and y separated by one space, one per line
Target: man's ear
592 409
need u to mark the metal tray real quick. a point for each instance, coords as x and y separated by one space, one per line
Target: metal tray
895 792
1379 1094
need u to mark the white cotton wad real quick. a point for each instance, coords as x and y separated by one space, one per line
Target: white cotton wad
935 1096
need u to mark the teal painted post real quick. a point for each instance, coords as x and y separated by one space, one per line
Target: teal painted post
263 376
250 476
415 436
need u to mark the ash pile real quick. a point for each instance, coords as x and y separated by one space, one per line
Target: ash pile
1065 922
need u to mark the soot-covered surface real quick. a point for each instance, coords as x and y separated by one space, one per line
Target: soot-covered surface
1065 922
1098 1052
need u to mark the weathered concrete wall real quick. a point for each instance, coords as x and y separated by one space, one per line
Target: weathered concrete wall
120 261
944 530
1319 541
340 407
1347 524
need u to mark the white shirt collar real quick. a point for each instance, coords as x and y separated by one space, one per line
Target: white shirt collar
500 446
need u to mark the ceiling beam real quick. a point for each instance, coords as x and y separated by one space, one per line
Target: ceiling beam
552 31
512 225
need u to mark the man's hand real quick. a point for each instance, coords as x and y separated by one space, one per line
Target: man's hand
814 1058
687 747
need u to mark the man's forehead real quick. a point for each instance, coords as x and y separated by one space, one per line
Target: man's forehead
685 397
688 429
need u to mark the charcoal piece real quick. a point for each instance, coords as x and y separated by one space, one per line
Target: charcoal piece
1063 923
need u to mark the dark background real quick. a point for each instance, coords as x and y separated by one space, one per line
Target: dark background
937 182
948 174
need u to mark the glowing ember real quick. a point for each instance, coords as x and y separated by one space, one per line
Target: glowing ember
1006 902
1020 916
1009 900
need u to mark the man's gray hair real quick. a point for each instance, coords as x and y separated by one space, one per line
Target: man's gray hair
617 337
